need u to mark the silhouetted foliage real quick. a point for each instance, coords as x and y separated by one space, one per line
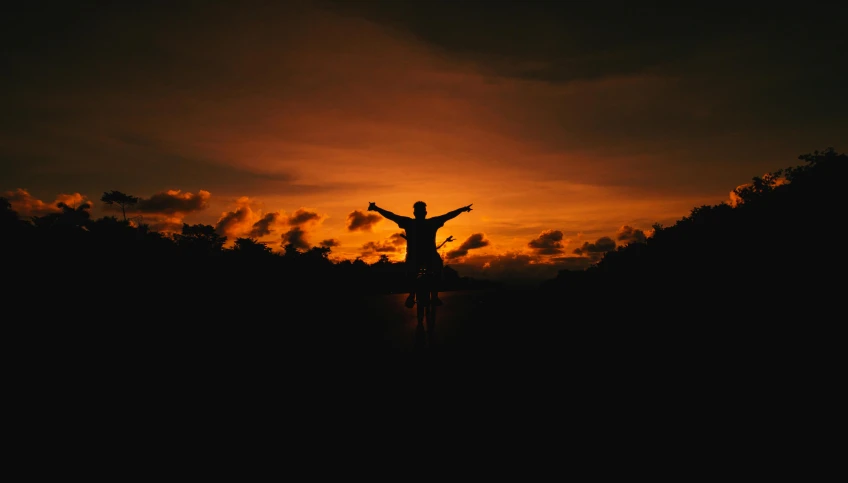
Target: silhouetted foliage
249 247
68 247
67 218
123 200
762 249
200 240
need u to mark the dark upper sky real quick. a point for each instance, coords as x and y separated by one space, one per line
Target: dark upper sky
564 41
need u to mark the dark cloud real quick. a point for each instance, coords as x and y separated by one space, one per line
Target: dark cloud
477 240
628 234
300 221
549 242
330 242
231 220
297 237
265 225
173 202
164 211
567 41
595 251
302 217
361 221
379 247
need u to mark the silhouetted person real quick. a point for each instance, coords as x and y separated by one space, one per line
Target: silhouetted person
411 300
420 237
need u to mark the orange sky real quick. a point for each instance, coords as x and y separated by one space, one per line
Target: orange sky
312 108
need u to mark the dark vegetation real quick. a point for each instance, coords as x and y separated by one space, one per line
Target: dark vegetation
70 247
775 254
117 283
746 298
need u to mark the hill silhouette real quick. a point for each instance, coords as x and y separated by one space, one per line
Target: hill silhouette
761 255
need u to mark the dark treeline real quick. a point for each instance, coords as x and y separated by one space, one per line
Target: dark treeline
111 278
774 253
70 245
731 296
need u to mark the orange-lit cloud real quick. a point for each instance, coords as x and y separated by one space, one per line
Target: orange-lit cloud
27 205
394 245
249 220
239 221
735 200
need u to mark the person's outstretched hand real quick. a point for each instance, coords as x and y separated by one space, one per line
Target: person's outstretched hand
468 208
371 205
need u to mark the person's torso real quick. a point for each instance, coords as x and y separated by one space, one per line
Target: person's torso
421 236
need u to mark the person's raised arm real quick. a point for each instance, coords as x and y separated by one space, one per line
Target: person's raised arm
453 214
386 213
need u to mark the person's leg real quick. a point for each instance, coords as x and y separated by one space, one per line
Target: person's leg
410 276
437 277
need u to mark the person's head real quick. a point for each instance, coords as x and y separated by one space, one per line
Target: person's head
419 209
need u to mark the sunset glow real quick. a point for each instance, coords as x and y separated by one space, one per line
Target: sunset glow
281 123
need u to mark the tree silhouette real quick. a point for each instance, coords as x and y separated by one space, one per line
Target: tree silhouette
121 199
200 240
290 251
250 247
68 217
7 214
11 225
319 253
759 187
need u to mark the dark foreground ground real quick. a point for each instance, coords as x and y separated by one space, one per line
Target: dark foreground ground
490 327
251 363
530 357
